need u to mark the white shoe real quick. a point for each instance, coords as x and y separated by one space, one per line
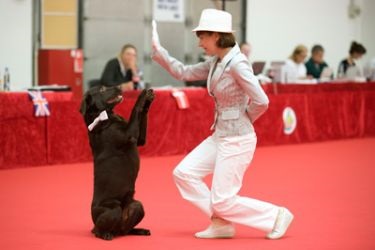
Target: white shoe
283 220
219 228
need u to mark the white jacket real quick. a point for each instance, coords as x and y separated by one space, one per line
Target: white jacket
232 84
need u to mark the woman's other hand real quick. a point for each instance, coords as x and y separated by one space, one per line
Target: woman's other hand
127 86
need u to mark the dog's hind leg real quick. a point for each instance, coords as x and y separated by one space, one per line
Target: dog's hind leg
107 223
131 216
139 231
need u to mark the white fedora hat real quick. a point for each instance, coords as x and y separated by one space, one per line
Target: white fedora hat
215 20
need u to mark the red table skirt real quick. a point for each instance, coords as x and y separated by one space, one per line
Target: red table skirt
324 112
24 137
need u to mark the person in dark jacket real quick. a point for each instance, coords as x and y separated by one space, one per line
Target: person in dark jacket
356 52
316 63
123 70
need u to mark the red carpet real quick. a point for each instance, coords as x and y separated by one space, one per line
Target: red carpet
328 186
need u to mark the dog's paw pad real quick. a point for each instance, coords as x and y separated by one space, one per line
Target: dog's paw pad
150 95
133 140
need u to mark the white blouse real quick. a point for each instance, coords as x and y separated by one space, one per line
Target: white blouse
293 72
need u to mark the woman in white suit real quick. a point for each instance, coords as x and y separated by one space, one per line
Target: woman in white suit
228 152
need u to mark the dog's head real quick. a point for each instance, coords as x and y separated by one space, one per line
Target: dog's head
100 98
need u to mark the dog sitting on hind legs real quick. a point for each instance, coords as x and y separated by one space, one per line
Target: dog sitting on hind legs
113 142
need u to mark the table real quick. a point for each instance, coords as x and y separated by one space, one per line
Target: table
23 137
323 112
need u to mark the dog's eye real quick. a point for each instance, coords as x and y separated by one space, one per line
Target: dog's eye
102 89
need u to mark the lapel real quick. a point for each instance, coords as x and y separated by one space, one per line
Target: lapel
214 77
212 67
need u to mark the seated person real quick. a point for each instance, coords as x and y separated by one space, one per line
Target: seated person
369 70
294 69
123 70
245 49
316 64
348 67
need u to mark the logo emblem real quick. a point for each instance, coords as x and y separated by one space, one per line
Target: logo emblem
290 120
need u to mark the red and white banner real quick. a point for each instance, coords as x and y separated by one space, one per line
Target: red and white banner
78 60
181 99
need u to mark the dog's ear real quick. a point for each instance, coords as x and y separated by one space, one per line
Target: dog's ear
98 97
85 104
98 101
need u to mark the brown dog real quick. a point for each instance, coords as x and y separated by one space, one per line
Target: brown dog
114 144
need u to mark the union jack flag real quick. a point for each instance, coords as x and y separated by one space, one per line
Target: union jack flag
40 103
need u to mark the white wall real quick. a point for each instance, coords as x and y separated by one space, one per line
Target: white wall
368 28
275 27
16 41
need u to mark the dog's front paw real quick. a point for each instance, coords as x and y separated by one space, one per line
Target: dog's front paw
141 100
150 95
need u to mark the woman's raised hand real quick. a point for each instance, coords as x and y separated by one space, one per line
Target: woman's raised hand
155 42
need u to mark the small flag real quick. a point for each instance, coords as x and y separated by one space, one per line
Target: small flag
40 104
181 99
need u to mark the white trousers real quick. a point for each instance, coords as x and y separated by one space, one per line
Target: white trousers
227 158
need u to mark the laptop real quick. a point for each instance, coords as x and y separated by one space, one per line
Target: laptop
258 67
326 74
352 72
277 71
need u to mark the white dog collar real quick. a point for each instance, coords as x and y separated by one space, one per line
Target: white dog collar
101 117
